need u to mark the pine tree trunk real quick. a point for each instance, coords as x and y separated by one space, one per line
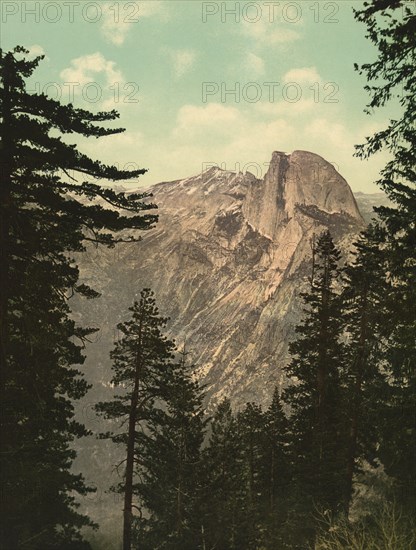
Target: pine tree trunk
356 400
272 483
322 372
204 546
179 504
128 488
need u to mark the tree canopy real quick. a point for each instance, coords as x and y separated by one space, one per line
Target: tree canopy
48 213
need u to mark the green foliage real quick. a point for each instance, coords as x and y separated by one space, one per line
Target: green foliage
390 27
142 359
142 353
169 485
159 413
222 480
365 309
46 215
250 429
386 529
316 397
247 477
276 475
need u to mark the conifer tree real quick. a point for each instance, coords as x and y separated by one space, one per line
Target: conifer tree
316 395
222 481
364 293
390 27
251 430
170 467
247 478
275 474
48 213
142 365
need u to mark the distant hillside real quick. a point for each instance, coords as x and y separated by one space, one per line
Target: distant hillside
366 202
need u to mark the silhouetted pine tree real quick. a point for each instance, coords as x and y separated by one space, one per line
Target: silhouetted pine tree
251 432
169 485
364 296
275 474
222 482
142 365
316 396
391 28
47 213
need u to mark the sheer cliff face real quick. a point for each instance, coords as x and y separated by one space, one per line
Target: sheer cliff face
227 261
299 178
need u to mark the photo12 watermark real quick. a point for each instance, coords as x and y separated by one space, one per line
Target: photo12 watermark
70 12
90 92
253 92
271 12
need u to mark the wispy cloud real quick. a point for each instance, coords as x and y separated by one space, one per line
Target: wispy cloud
304 75
255 64
84 70
36 50
119 18
196 120
183 61
267 33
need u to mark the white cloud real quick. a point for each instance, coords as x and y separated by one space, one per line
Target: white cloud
115 26
321 129
36 50
119 18
183 61
285 108
304 75
265 32
193 120
148 8
123 144
255 64
224 135
257 141
84 69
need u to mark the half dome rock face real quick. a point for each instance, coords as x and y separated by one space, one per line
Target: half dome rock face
227 262
301 178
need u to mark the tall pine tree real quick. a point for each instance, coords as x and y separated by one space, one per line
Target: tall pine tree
251 432
222 482
316 396
170 464
364 294
276 475
48 212
142 365
391 28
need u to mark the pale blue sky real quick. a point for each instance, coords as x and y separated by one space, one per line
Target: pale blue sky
285 62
